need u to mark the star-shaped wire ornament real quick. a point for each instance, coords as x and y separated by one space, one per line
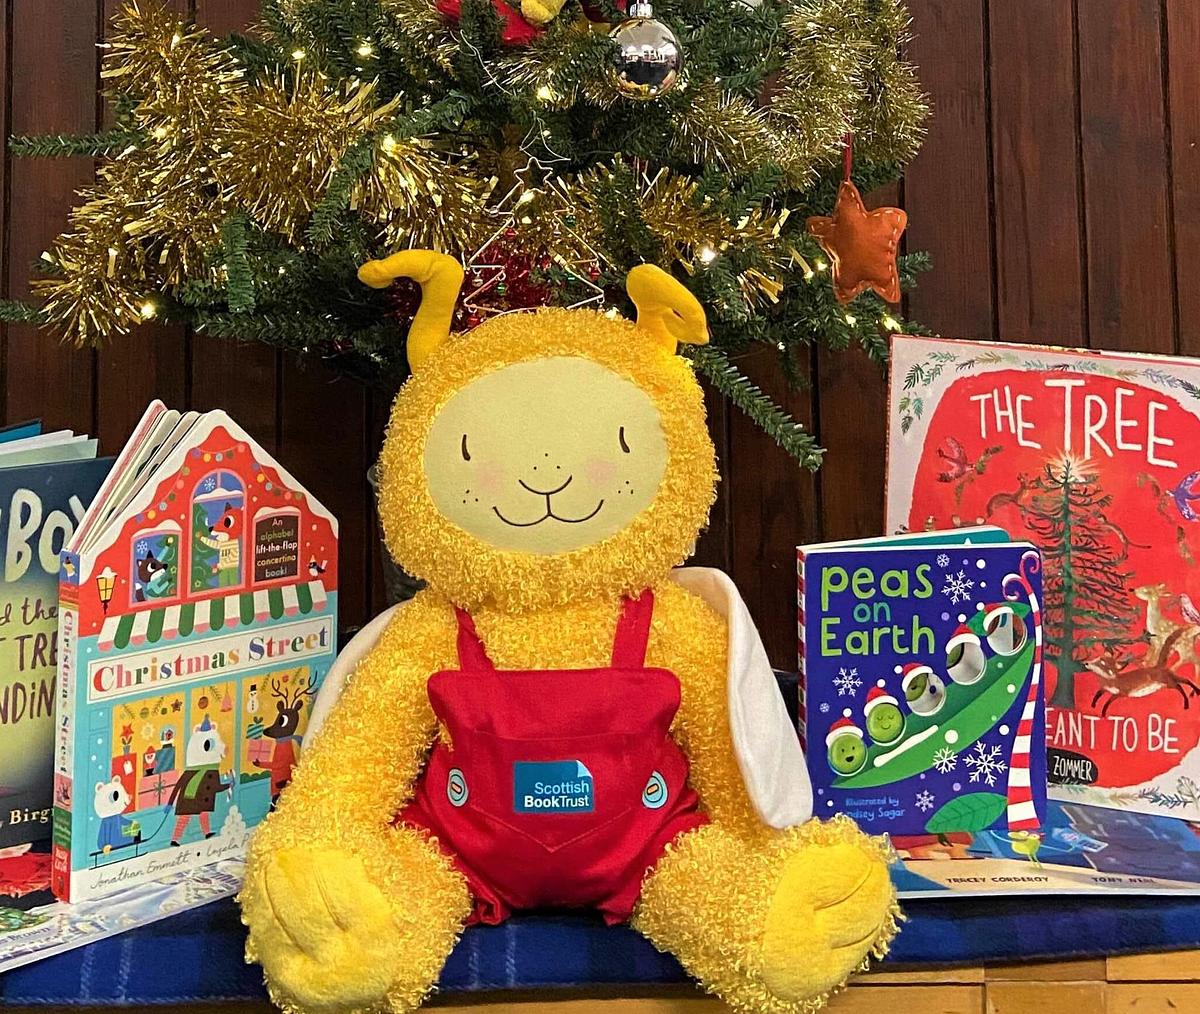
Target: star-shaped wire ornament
861 244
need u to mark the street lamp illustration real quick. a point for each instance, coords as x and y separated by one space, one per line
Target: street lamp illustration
105 581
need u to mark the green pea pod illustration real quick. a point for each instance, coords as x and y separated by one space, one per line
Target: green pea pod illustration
968 714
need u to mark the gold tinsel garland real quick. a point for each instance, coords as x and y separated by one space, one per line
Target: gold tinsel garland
212 143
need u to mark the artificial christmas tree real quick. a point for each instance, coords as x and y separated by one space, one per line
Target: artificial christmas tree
244 180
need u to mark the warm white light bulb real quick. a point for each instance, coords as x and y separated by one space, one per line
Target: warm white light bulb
545 93
851 319
298 54
365 49
148 310
707 254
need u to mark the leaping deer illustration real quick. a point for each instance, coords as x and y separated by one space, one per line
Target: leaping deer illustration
1140 680
1160 627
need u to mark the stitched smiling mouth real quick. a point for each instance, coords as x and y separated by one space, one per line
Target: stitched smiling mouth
549 515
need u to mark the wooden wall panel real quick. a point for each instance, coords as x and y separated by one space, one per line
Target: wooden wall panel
1035 156
947 187
53 89
1183 45
1131 292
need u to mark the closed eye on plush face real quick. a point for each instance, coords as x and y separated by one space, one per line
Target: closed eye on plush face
524 458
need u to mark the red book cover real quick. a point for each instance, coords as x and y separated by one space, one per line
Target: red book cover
1093 457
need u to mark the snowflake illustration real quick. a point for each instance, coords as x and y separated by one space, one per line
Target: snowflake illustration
985 763
945 760
824 707
958 587
209 484
847 682
943 561
143 546
924 801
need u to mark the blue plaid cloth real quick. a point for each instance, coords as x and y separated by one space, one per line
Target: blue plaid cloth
196 957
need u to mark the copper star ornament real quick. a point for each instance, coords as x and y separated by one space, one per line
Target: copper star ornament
861 244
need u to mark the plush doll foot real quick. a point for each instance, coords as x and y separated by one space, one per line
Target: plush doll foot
773 924
331 941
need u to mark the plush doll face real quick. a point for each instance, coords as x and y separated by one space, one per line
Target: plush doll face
546 456
547 474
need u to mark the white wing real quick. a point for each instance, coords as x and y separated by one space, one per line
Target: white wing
764 739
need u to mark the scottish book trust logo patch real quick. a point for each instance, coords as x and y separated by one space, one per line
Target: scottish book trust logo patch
552 787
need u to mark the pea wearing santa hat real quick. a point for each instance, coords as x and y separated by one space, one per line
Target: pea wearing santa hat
924 691
845 749
965 661
885 723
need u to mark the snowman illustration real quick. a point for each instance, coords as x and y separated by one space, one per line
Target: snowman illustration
252 704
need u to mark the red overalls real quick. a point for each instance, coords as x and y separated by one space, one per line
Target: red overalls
558 787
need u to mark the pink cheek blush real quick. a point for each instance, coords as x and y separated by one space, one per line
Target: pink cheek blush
490 479
600 471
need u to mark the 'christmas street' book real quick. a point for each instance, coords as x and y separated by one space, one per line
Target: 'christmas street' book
42 499
1092 456
920 666
198 617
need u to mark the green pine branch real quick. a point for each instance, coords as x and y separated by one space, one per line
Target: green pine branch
73 145
789 434
13 311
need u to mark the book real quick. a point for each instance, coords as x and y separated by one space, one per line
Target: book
33 925
198 618
920 664
1091 456
1082 850
42 499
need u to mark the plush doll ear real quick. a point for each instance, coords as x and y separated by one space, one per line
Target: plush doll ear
440 278
666 309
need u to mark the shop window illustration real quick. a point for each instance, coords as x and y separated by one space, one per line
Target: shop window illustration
154 564
276 545
218 532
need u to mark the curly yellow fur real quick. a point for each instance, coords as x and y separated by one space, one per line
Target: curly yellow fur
349 913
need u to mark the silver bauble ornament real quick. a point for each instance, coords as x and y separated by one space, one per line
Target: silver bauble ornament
649 59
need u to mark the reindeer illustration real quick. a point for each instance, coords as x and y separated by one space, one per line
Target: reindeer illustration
285 730
1159 627
1119 680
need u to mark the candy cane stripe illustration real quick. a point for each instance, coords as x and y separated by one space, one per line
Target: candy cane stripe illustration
1022 815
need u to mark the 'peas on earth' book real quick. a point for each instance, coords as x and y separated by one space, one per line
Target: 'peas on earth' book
920 670
197 620
1092 456
47 481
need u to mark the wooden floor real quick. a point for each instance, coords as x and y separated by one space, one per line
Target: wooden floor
1146 984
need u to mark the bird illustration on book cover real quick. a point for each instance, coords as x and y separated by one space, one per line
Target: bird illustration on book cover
1087 455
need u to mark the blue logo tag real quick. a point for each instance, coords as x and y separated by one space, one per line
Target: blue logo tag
552 787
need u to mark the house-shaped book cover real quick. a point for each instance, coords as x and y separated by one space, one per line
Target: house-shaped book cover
1093 457
198 617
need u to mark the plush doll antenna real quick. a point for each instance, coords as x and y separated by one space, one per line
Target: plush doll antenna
565 716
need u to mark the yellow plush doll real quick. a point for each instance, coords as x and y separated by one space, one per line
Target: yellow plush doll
560 718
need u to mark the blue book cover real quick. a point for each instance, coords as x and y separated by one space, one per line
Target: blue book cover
922 701
40 505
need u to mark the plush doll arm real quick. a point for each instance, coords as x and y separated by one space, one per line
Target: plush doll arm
343 907
540 12
359 768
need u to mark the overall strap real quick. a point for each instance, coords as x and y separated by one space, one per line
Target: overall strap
472 656
633 631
